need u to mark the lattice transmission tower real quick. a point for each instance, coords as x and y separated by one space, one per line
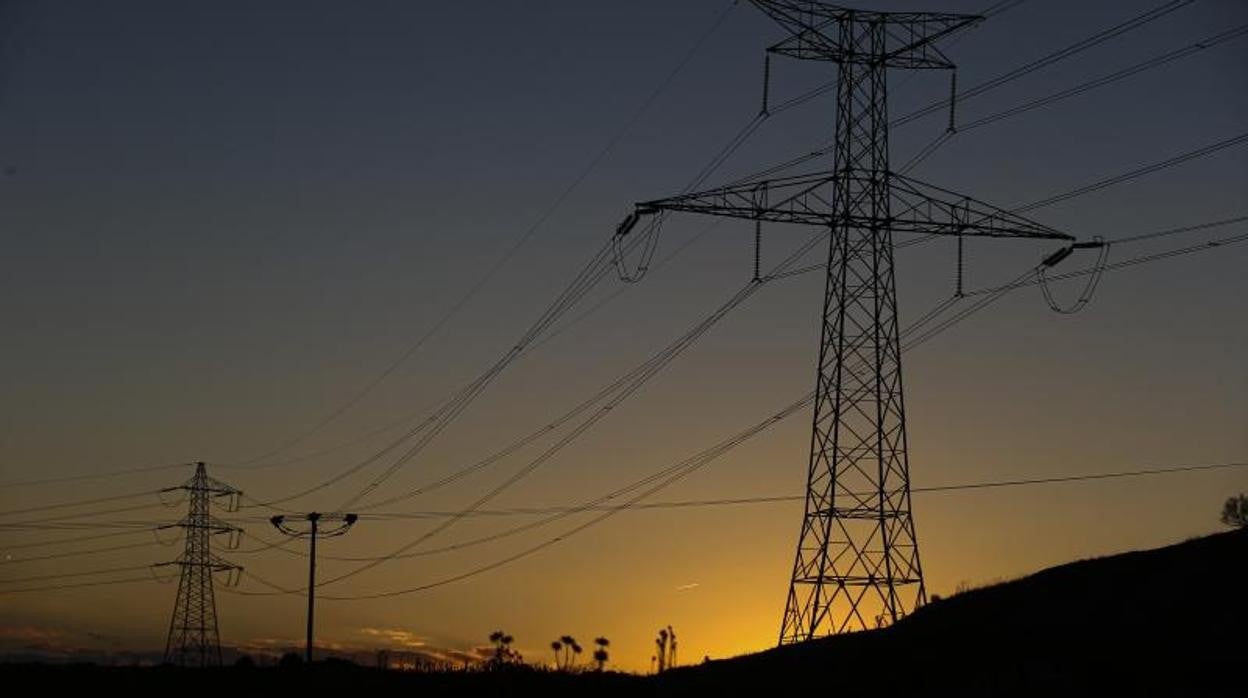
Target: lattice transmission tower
857 563
194 639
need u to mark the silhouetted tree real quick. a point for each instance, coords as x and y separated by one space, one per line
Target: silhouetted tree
600 654
1235 512
570 649
671 656
556 646
245 662
290 660
503 654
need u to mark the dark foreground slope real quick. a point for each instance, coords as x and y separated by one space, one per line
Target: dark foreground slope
1171 621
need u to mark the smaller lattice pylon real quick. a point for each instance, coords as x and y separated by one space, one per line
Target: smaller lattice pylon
194 639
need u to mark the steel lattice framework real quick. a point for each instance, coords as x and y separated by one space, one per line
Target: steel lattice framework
857 563
193 636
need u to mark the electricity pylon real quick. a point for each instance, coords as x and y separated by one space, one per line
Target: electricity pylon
344 523
857 555
194 639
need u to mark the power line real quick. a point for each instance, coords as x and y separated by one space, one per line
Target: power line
76 539
1013 74
78 553
797 100
676 474
1179 230
82 515
94 476
589 276
930 333
1045 61
1155 62
561 329
76 526
612 511
515 247
66 575
58 587
1082 478
79 503
699 503
1143 259
717 161
665 477
650 369
1009 76
1138 172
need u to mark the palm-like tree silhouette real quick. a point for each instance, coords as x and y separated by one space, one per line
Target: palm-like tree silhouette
568 644
600 654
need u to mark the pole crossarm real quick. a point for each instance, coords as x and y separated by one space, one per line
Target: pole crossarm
818 31
916 207
340 524
343 521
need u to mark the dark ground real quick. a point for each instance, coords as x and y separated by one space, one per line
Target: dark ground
1165 622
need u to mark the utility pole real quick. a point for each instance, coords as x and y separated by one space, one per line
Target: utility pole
193 638
857 554
344 523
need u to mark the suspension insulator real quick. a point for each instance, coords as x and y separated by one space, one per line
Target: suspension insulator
1053 259
626 226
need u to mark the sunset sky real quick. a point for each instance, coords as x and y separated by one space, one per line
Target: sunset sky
223 220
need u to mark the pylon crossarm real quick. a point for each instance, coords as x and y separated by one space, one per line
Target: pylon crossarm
816 30
221 565
917 207
795 199
212 526
213 565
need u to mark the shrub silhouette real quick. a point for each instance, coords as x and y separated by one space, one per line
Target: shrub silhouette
503 653
665 649
600 654
1235 511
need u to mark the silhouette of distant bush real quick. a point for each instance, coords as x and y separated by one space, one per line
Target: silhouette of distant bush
504 656
245 662
600 655
1235 511
290 660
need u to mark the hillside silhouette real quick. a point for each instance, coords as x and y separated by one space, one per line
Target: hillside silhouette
1169 621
